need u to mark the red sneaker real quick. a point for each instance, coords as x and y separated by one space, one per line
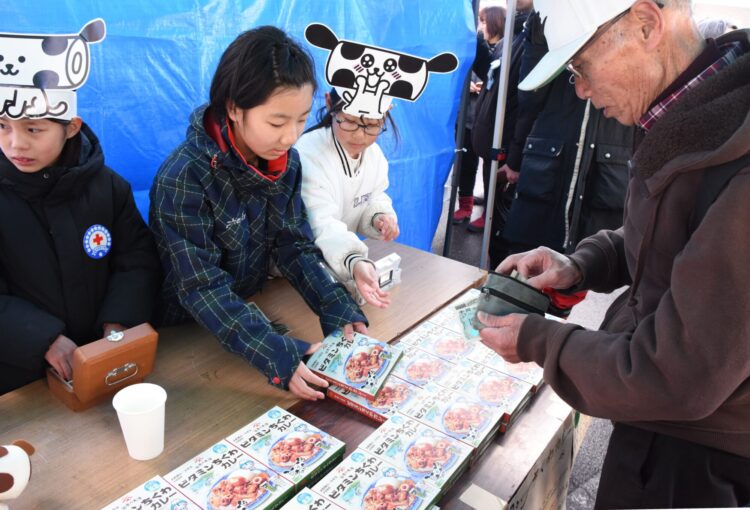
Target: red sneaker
463 213
477 225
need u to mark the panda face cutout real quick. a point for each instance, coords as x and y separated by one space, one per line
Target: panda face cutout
39 73
369 77
10 68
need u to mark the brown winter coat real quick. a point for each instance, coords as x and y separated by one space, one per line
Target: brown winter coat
674 353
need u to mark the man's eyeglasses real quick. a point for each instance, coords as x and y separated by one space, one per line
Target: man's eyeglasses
351 126
575 71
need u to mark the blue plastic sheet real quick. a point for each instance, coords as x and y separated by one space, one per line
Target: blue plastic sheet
156 64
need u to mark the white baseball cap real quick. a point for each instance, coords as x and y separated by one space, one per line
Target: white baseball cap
568 24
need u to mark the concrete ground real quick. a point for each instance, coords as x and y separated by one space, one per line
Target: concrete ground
584 481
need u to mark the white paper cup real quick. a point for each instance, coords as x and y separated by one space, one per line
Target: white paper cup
140 409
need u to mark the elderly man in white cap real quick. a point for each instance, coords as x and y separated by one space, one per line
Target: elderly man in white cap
671 363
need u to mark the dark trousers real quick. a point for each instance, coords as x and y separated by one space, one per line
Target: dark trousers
469 162
649 470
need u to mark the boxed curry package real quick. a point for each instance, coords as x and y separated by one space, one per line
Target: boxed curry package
289 445
499 390
440 342
458 415
367 482
155 493
309 500
530 372
420 367
422 451
394 394
360 365
225 478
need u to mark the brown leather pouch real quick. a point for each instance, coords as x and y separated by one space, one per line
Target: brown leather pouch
105 366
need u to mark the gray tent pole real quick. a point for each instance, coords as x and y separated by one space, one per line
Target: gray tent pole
459 151
497 136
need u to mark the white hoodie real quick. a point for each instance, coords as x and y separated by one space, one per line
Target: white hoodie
342 196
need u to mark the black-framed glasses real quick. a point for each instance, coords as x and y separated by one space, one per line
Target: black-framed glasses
575 71
351 126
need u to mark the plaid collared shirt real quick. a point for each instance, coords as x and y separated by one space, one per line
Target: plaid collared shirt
732 52
218 225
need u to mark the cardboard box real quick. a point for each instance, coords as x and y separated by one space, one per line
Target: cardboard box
360 366
210 480
422 451
155 493
309 500
365 481
289 445
394 394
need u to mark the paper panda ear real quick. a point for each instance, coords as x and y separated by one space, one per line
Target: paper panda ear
443 63
25 446
321 36
94 31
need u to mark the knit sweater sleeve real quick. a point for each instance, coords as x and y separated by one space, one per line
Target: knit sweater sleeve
380 202
301 262
323 199
183 224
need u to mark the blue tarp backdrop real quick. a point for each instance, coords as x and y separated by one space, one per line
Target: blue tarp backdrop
156 64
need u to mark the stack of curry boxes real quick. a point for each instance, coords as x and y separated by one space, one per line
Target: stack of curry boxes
261 466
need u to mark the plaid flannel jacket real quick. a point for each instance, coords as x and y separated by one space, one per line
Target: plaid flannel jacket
218 225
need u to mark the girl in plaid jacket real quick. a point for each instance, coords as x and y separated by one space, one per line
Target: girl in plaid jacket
226 205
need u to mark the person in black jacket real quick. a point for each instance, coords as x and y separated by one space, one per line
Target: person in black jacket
76 259
573 168
486 110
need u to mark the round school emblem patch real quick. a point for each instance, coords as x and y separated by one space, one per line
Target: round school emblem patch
97 241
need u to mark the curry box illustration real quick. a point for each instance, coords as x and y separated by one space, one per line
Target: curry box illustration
419 450
420 367
367 482
155 493
394 394
530 372
289 445
493 388
309 500
225 478
457 415
439 341
459 314
361 365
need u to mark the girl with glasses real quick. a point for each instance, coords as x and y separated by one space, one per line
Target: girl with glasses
344 182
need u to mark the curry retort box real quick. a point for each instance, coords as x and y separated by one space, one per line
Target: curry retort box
155 493
306 499
419 367
457 415
225 478
422 451
491 387
530 372
441 342
394 394
361 365
367 482
289 445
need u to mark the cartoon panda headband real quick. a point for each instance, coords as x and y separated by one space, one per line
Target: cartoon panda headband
39 74
368 77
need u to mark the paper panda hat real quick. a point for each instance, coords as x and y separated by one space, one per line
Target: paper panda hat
39 74
368 77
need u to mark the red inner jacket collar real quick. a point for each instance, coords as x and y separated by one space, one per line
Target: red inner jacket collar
274 168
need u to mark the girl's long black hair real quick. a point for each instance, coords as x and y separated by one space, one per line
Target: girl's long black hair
255 64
